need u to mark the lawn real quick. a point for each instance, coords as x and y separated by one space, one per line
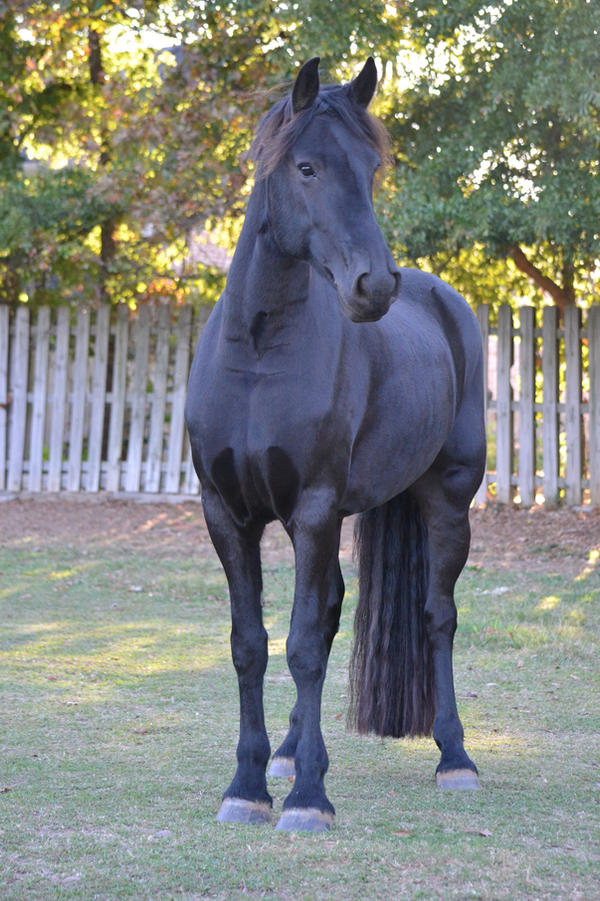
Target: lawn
118 719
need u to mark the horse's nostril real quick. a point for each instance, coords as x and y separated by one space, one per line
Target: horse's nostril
362 289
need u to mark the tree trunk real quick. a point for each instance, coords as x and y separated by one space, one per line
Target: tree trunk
108 245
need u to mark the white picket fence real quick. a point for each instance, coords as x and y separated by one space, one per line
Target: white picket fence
92 400
543 410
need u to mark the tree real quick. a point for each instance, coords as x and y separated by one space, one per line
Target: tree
123 129
498 140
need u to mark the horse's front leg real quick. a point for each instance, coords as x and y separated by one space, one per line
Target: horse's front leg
282 764
313 624
247 799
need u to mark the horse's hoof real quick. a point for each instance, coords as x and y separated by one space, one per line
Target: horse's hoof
238 810
458 779
282 768
305 819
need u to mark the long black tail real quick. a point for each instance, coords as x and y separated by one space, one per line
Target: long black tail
391 677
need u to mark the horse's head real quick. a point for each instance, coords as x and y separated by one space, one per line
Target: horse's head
319 150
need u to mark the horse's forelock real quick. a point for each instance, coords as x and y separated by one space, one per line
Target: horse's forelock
280 128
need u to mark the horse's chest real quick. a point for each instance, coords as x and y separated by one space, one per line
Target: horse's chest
260 446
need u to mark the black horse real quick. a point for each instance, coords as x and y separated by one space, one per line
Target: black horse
327 383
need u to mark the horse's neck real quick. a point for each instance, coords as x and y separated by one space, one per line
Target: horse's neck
262 284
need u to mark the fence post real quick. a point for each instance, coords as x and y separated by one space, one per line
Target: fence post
483 318
593 325
18 407
573 404
504 423
527 407
4 342
550 404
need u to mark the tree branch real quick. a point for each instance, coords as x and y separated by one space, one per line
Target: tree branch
562 298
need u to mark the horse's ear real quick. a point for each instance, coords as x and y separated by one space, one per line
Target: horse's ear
363 86
306 86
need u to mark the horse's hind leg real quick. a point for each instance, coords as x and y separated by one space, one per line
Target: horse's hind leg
444 495
246 800
282 763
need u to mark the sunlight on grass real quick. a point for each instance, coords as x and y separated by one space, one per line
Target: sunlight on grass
64 574
548 603
592 564
121 649
15 590
277 647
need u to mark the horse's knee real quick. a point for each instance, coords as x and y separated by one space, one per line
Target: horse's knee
306 656
249 651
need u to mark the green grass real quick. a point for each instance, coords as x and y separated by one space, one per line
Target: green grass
118 718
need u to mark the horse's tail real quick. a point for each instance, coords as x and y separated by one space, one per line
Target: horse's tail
391 676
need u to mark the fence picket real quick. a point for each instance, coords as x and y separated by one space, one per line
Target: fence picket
573 405
593 327
159 401
78 400
177 425
550 404
4 357
137 397
504 435
191 484
40 389
59 399
18 405
527 407
98 398
117 407
483 318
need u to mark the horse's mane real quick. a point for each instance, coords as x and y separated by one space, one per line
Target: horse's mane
280 127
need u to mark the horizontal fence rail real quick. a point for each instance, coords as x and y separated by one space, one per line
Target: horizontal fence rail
92 400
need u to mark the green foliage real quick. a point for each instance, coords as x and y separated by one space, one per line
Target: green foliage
498 135
138 117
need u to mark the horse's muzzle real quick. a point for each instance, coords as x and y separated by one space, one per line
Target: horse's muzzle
371 297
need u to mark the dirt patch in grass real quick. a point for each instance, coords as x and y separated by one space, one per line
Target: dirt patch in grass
563 540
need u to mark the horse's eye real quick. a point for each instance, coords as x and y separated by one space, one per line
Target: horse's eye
306 169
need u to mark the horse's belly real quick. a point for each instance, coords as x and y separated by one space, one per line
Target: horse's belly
397 443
